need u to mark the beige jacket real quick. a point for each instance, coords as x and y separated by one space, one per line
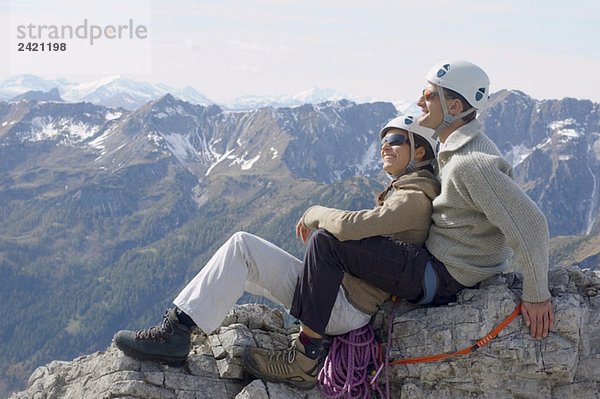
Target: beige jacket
405 215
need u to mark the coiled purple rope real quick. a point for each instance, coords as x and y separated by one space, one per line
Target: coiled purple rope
344 372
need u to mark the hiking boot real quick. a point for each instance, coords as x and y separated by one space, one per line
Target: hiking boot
167 342
290 366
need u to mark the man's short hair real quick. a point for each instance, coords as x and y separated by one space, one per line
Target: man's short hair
452 95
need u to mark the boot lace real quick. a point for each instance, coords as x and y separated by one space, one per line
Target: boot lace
288 355
158 332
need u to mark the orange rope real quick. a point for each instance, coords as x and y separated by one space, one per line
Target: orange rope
472 348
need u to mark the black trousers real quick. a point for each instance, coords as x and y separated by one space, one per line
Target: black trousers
391 265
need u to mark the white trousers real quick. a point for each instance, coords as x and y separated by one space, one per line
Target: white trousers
247 262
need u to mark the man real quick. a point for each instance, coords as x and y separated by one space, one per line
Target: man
481 213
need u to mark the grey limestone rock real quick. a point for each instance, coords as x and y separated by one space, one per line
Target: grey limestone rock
513 365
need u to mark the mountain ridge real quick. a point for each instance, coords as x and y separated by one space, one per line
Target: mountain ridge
119 92
106 212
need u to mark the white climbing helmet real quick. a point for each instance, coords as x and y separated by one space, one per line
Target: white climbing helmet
409 123
465 78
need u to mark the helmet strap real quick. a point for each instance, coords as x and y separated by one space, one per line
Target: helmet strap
448 119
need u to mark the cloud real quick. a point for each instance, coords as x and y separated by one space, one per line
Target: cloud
251 46
244 68
191 44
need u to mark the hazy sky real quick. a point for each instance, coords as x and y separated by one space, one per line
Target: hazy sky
370 49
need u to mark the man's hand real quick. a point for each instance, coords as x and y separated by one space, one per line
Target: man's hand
302 231
539 317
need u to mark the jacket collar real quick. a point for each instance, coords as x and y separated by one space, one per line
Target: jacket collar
462 136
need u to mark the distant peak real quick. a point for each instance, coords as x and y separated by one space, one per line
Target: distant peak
39 95
167 98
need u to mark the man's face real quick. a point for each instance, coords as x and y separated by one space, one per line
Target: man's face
432 114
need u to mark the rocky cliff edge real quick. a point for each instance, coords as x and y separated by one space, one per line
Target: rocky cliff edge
566 364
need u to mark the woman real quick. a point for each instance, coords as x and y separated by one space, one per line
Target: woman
247 262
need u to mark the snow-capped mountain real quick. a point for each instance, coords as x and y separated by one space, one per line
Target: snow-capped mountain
553 145
314 95
407 107
37 95
21 84
113 91
116 91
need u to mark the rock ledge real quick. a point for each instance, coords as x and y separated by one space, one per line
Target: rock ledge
566 364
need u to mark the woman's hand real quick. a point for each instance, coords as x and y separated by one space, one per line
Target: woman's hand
302 231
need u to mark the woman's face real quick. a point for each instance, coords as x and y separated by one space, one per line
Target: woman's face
395 157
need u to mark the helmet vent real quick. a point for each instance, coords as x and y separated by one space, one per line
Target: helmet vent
443 70
480 93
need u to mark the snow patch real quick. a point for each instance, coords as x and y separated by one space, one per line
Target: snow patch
45 128
569 133
155 138
596 149
98 143
246 165
518 154
407 108
80 131
170 111
113 115
556 125
565 129
368 158
179 145
218 160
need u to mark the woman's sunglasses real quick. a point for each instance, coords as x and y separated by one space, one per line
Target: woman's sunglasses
394 139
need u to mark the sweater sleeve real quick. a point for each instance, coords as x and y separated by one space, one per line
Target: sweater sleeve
402 211
523 224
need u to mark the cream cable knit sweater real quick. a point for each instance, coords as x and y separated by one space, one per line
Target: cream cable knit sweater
481 214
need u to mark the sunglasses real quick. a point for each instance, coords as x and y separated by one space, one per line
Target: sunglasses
394 139
428 94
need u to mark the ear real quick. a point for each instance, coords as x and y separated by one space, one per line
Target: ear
420 154
455 107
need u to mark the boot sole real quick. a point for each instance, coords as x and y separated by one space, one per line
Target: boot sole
304 385
175 361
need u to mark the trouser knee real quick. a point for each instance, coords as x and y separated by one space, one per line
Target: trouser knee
320 239
239 236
